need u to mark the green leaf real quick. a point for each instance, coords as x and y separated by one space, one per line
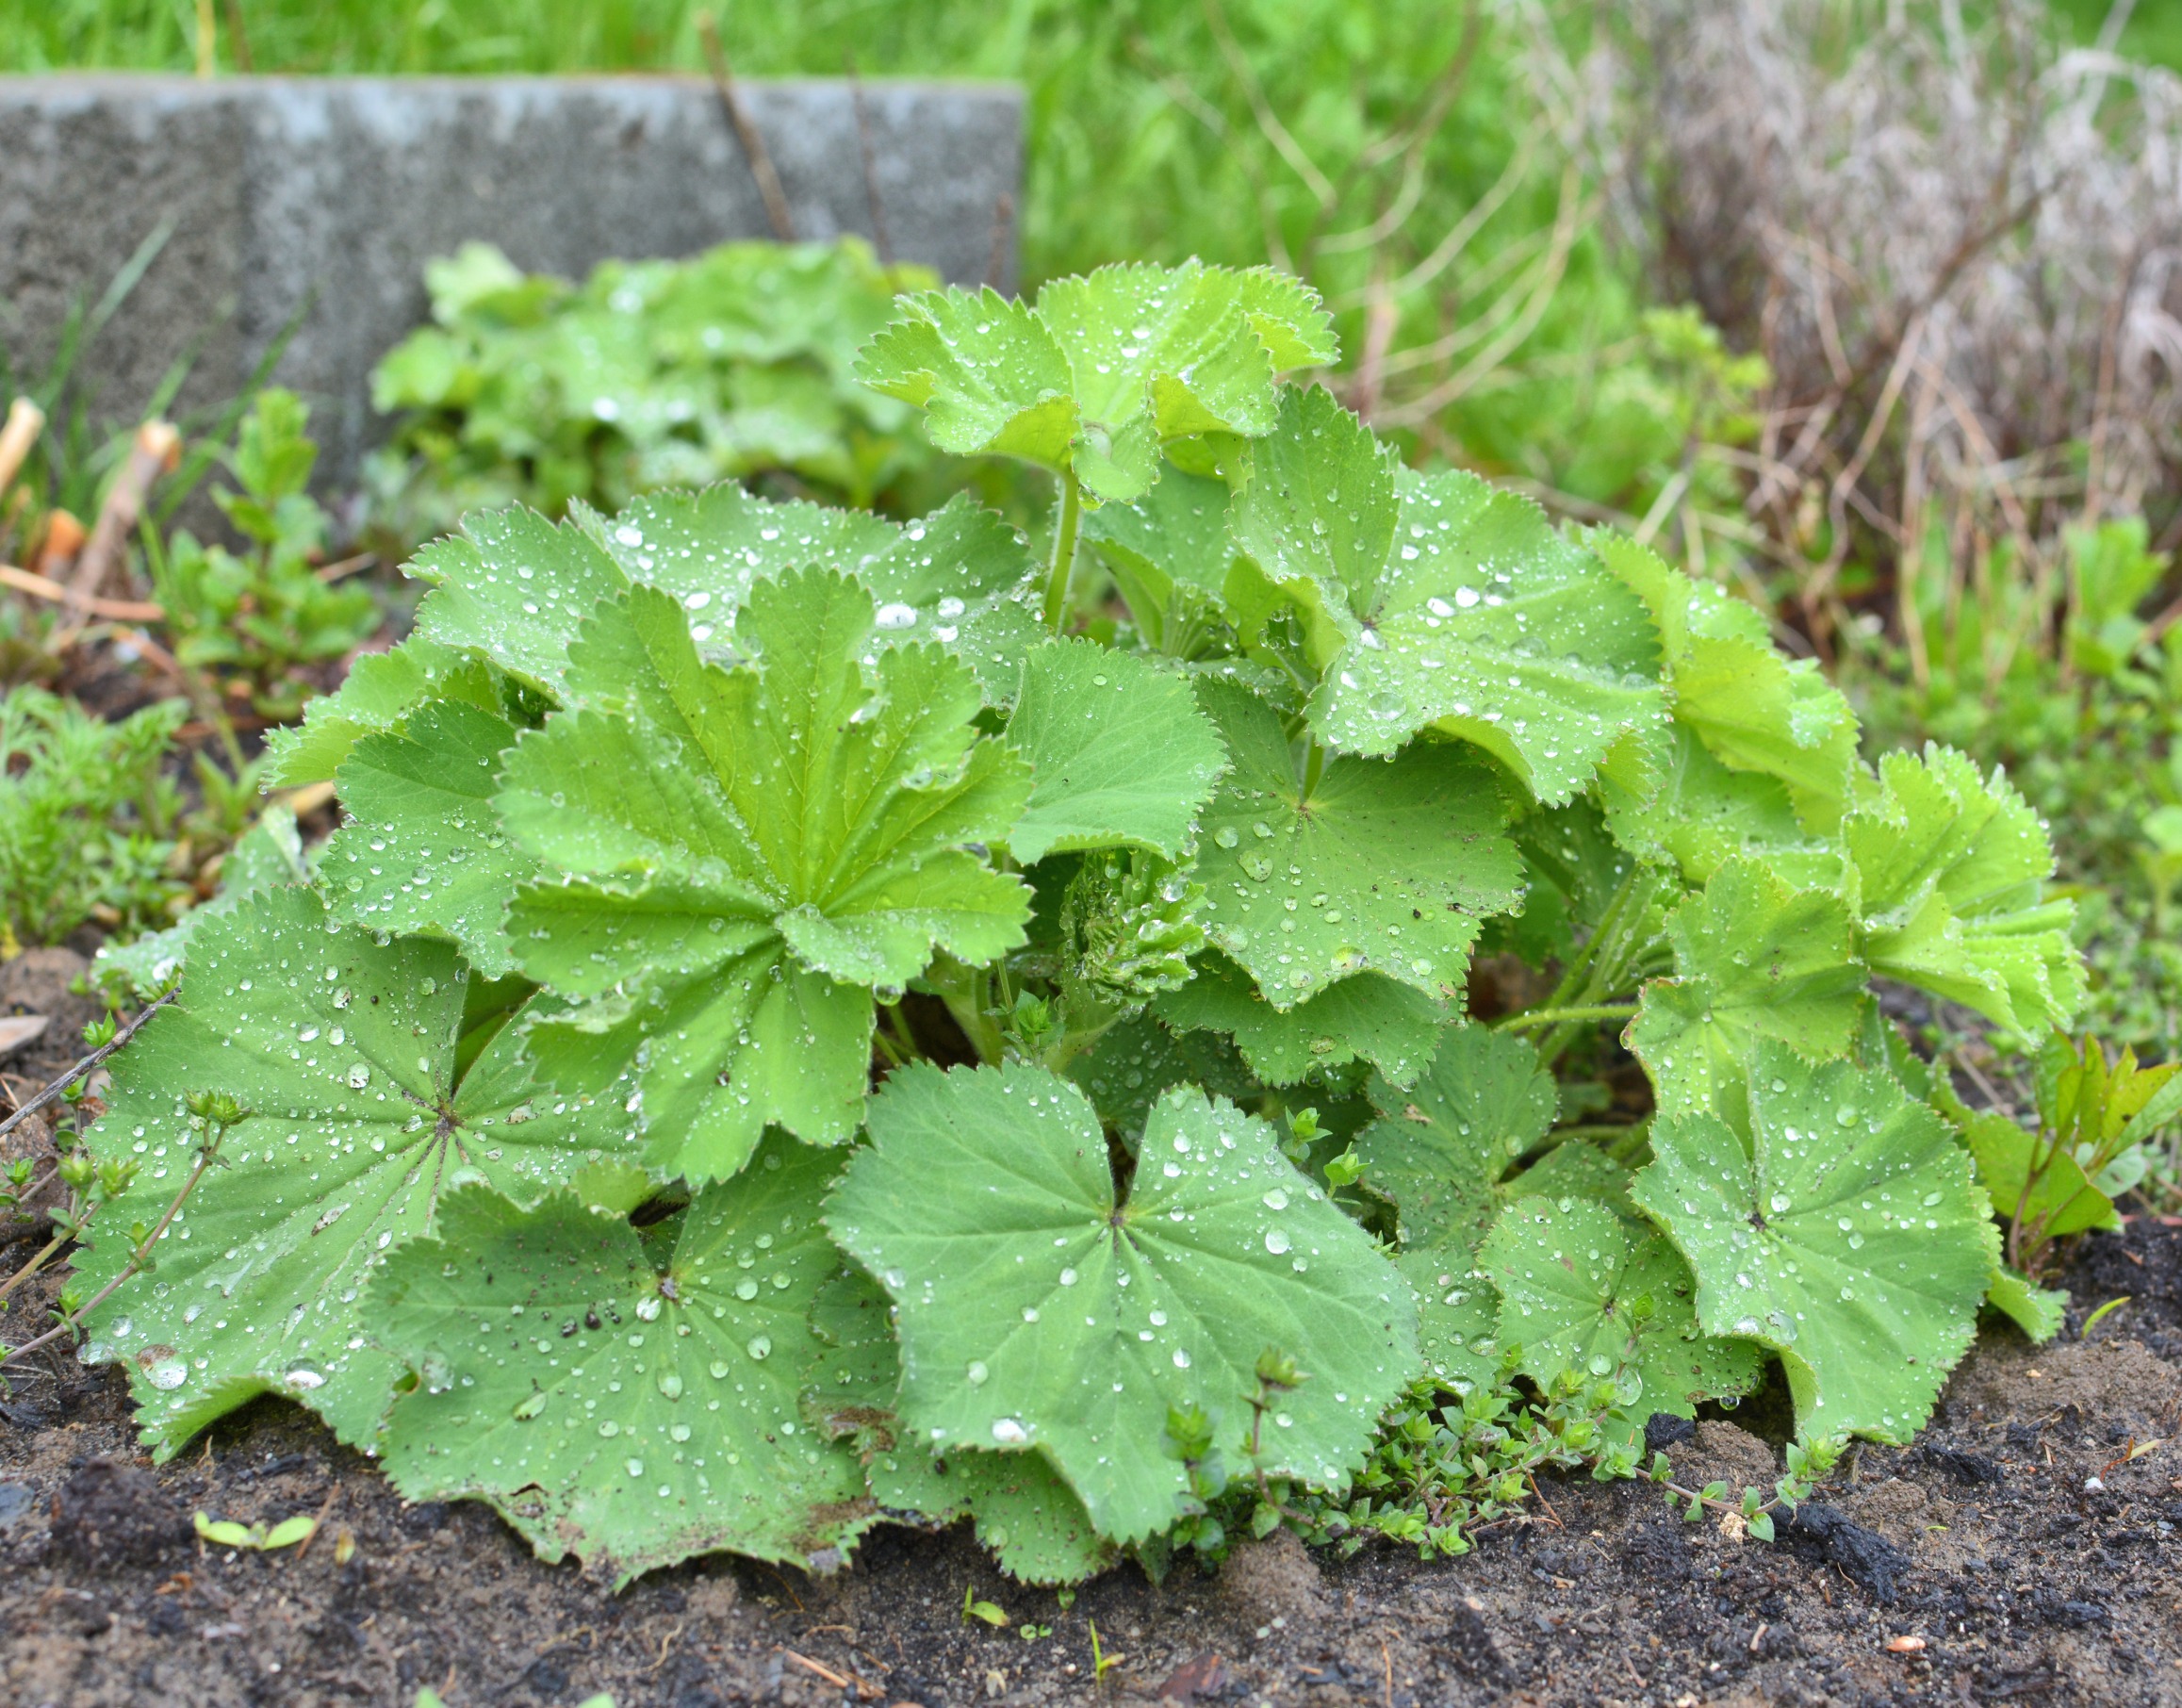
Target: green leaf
1136 1062
952 578
423 850
1453 607
1366 1018
514 586
985 371
1457 1315
1320 505
269 856
1753 709
1169 552
2063 1200
380 690
749 852
1574 1169
1848 1235
1948 872
1384 866
290 1530
2038 1312
1753 959
1439 1154
1104 369
986 1207
222 1532
1439 1149
1690 808
517 588
628 1413
1024 1512
1119 755
347 1050
1036 1529
1580 1290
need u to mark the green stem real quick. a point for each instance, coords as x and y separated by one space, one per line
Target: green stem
899 1023
1063 552
70 1320
968 998
1314 768
1603 1010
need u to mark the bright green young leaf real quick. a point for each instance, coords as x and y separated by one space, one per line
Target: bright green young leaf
1030 1519
423 851
347 1051
1383 866
1445 603
1038 1309
269 856
1692 810
1848 1235
2061 1201
1581 1289
1753 959
749 853
1439 1148
1104 369
1119 755
380 690
1948 872
985 371
1364 1018
2038 1312
1753 709
633 1413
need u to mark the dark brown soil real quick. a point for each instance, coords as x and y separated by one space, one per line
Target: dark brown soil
2016 1553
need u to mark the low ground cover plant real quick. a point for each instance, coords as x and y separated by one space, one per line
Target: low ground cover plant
733 365
257 617
812 1019
87 820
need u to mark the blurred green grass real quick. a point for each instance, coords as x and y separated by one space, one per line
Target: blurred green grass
2154 31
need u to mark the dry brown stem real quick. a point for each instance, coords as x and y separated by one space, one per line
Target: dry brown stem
26 422
157 451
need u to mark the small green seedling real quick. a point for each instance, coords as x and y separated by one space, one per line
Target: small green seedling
227 1533
2101 1314
988 1611
1102 1662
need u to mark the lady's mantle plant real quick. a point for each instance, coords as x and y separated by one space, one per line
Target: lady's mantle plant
1025 998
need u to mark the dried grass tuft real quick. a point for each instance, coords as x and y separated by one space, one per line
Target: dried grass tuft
1961 253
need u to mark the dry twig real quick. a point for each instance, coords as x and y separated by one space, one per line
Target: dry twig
746 133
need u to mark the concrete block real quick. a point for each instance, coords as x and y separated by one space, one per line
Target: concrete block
317 202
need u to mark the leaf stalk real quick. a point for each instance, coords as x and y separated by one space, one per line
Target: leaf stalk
1064 538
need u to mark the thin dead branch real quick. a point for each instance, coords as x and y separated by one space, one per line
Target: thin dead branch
755 154
156 450
26 422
